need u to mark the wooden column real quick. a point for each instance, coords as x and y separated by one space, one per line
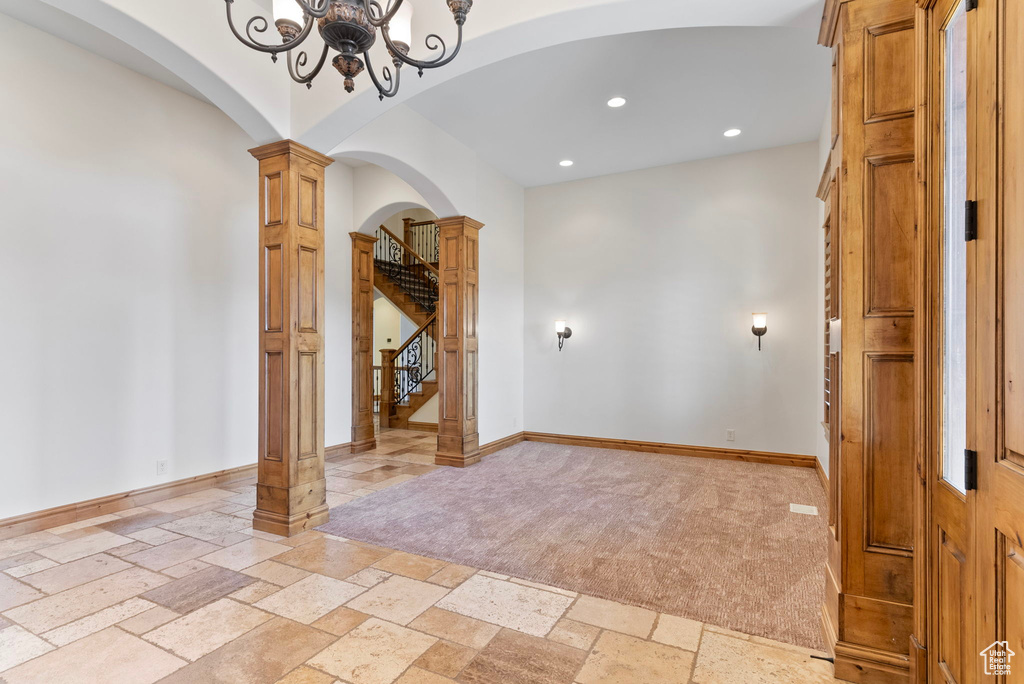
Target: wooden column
387 385
362 342
458 443
291 493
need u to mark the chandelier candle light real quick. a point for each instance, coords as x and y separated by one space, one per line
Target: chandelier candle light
350 28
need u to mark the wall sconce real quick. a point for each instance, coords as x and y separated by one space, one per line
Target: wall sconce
563 331
760 327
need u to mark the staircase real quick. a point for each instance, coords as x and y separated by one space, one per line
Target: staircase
410 281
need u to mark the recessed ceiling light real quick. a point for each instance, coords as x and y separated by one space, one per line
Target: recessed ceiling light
732 133
616 102
565 162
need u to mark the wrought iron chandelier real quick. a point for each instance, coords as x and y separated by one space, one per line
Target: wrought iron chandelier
350 28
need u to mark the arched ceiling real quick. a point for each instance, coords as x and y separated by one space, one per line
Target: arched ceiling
191 40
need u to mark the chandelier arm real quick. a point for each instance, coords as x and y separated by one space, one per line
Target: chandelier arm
259 24
392 88
439 61
313 11
383 17
300 61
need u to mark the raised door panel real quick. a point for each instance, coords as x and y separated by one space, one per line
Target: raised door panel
889 236
889 71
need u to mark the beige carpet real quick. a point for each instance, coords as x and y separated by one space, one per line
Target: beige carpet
711 540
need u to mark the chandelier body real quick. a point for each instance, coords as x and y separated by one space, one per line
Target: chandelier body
349 27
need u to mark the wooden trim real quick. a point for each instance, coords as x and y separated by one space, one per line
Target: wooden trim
856 663
282 147
829 20
828 630
104 505
422 427
826 180
796 460
503 443
338 451
822 476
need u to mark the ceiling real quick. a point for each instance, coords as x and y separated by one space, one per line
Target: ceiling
684 88
88 37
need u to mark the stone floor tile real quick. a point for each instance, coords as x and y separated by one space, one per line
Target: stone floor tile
341 621
183 503
399 599
545 587
90 624
276 573
370 577
61 577
18 645
155 536
575 634
454 627
334 559
89 522
614 616
187 568
446 658
343 485
233 538
516 658
84 546
452 575
32 567
677 631
173 553
128 549
335 499
26 543
302 538
621 659
494 575
194 635
70 605
409 565
723 659
306 675
359 467
310 599
151 619
206 526
198 589
390 482
525 609
255 592
20 559
108 656
375 652
415 675
245 554
261 656
144 519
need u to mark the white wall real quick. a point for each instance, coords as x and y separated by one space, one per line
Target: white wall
128 275
657 273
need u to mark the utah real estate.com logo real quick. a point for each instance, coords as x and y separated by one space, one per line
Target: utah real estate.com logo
997 658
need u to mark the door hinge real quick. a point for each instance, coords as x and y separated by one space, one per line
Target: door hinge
970 469
970 220
971 5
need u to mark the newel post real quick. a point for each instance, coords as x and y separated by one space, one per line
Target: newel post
387 386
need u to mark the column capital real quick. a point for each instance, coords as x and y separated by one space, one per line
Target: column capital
362 237
458 221
290 147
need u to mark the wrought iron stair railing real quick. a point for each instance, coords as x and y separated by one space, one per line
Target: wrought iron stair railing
403 266
424 237
408 368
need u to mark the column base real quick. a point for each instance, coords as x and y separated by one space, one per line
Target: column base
457 452
363 438
868 665
363 445
289 512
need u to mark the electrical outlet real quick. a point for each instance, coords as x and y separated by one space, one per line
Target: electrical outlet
161 467
730 435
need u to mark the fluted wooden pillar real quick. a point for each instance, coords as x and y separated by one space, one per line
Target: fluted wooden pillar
458 443
362 342
291 493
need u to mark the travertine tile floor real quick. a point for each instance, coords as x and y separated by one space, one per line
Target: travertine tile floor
185 591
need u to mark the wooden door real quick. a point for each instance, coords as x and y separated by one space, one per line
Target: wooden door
1000 338
951 280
